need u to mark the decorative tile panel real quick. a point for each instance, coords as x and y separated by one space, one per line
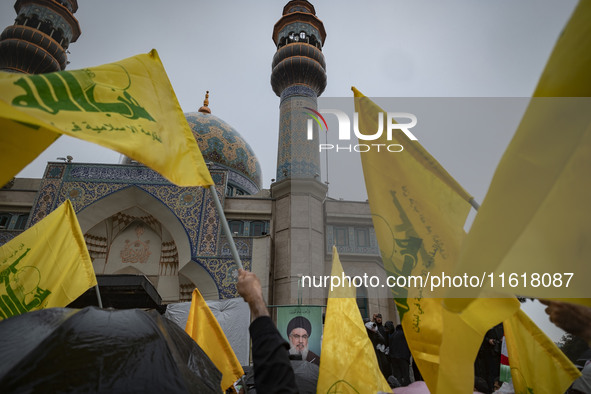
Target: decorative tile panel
224 273
85 184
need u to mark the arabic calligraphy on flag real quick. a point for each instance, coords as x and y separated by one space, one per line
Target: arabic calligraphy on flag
128 106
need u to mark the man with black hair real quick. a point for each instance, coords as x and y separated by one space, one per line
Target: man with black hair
377 319
299 331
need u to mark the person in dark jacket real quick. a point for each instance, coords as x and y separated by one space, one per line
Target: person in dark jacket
399 354
379 346
272 369
390 330
377 319
488 359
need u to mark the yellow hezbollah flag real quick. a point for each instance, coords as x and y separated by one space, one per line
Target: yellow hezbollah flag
204 328
537 365
128 106
537 207
347 366
536 210
418 213
46 266
462 336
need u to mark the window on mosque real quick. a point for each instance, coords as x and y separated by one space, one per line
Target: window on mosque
236 227
362 236
303 35
235 191
5 219
7 222
21 221
257 228
314 41
58 35
45 27
341 236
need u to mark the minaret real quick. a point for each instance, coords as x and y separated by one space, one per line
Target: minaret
298 78
40 36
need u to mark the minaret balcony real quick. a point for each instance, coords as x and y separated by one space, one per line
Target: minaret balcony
298 63
26 49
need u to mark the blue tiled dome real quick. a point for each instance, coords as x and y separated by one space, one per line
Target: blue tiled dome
222 144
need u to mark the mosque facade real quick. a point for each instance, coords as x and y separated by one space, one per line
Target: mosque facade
135 222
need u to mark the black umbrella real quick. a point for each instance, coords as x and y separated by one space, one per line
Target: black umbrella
61 350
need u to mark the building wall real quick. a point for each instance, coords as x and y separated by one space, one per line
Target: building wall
181 224
345 222
16 200
166 213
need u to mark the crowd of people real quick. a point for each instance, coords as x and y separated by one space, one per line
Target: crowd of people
273 372
392 351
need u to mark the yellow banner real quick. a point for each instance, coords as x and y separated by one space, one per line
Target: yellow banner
46 266
537 365
418 218
462 336
347 366
418 213
204 328
128 106
537 207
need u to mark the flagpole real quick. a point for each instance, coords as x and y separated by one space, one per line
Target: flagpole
474 204
98 296
225 226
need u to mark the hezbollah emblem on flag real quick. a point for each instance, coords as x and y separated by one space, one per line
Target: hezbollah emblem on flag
128 106
19 286
403 251
46 266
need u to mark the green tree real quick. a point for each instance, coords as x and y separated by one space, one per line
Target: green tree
572 346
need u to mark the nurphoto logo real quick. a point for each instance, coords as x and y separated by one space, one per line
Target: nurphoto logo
344 123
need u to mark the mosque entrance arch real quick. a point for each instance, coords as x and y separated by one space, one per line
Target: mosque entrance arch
132 232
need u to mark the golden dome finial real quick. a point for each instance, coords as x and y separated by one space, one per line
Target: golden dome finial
205 109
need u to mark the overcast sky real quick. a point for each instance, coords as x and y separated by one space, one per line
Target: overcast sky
387 48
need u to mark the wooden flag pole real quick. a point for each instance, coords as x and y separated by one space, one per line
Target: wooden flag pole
225 226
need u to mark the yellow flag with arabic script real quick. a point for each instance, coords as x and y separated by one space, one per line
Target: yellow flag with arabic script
537 207
46 266
418 212
347 366
537 365
536 210
204 328
128 106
